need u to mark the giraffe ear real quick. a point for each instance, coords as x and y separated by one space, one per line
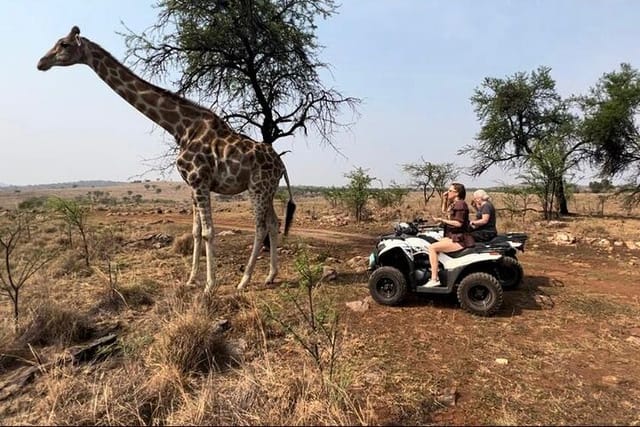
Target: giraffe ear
74 35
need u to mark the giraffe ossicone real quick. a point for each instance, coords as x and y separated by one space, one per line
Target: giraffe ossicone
212 156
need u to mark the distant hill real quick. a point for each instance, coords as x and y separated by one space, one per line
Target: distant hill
96 183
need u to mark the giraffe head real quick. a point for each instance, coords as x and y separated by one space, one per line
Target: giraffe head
68 50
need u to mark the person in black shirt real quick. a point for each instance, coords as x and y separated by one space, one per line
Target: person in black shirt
484 225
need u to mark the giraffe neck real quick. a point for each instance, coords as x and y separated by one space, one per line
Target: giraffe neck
178 116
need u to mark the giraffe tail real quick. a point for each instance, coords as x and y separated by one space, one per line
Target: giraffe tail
291 206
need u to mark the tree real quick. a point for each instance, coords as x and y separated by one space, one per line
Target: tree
518 114
430 177
75 215
544 171
256 60
391 196
610 126
358 191
603 186
19 265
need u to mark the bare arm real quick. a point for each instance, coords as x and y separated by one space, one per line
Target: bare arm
481 221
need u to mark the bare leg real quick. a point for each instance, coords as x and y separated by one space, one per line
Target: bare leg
197 242
444 245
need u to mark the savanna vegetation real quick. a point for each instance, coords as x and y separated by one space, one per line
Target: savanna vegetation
99 327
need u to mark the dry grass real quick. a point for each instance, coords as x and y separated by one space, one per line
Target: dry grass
183 245
190 342
133 295
191 359
51 323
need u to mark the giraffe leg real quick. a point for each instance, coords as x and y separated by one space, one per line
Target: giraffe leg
203 202
197 244
272 226
261 231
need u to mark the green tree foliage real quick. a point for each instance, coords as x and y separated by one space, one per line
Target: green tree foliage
393 196
358 191
544 171
519 115
256 60
431 178
603 186
315 323
610 126
333 195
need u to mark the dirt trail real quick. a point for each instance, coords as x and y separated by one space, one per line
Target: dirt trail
358 240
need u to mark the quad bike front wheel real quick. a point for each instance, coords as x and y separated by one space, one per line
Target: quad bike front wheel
510 273
388 286
480 294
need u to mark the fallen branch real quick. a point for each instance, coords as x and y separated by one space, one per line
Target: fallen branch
77 354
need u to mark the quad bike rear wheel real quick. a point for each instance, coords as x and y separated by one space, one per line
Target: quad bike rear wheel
510 273
480 294
388 286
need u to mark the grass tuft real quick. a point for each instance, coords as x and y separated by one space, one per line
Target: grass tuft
52 323
190 342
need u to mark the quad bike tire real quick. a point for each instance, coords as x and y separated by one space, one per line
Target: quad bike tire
388 286
480 294
510 274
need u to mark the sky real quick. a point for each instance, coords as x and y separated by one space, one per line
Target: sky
414 63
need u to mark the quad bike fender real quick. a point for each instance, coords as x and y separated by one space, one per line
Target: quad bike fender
474 258
396 256
456 274
392 247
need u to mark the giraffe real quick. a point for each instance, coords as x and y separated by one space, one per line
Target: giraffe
211 158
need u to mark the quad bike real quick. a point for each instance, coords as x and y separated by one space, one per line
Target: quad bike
510 274
400 264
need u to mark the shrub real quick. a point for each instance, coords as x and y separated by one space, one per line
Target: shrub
189 342
53 324
183 244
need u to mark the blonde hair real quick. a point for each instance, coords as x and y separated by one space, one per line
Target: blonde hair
481 194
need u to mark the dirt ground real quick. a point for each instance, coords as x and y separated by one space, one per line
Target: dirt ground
563 349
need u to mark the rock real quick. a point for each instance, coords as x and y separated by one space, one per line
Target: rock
631 245
556 224
544 301
610 380
359 306
633 340
226 233
618 243
635 332
329 273
563 238
359 264
602 243
448 396
501 361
